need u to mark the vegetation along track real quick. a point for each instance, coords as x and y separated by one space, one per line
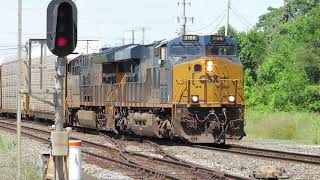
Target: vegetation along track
265 153
151 167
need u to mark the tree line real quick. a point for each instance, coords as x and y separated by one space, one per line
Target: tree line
281 58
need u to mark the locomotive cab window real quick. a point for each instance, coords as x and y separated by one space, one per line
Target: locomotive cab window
163 53
218 50
185 50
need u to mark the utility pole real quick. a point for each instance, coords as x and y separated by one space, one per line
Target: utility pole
18 88
88 40
227 17
132 34
143 35
184 18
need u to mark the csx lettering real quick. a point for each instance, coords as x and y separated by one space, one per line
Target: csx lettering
209 78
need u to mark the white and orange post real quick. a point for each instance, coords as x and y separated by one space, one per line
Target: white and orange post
75 172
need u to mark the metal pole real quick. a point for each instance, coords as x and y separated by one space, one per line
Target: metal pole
45 58
143 35
87 46
59 115
26 81
123 41
41 64
29 67
184 18
228 18
132 31
18 89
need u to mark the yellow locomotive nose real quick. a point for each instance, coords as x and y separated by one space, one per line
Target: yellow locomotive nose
211 91
208 82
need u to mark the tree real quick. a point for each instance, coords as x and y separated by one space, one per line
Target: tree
282 58
231 31
252 50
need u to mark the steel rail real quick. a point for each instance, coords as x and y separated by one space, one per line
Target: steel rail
202 168
133 164
266 153
158 173
171 160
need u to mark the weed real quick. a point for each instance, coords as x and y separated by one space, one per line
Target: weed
8 164
7 147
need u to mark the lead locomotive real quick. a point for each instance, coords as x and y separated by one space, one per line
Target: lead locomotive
190 88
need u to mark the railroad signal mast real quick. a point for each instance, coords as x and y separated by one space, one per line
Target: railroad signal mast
61 41
184 18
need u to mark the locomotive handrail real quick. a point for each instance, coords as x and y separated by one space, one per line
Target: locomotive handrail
180 90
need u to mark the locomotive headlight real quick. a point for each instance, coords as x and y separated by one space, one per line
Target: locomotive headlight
195 99
209 66
231 99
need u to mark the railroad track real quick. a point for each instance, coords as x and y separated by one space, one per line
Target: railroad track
151 167
266 153
173 164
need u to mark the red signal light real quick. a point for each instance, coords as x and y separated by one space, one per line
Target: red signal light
62 41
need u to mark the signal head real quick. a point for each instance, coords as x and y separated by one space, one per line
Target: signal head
62 27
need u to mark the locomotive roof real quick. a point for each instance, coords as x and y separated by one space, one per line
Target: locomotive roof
119 53
134 51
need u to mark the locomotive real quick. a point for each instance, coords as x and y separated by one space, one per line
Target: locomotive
190 87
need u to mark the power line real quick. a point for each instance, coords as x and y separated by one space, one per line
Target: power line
7 46
241 18
210 24
218 24
5 49
7 53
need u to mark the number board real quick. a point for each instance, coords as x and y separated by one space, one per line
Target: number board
190 38
218 38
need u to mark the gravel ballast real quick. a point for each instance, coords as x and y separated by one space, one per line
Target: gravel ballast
280 145
241 165
226 162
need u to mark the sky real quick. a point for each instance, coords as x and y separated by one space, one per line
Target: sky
109 21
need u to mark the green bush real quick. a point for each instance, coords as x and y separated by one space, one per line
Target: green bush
312 98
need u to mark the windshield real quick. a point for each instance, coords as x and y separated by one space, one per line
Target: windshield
220 50
181 50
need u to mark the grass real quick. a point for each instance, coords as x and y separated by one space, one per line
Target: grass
7 147
8 164
296 126
29 172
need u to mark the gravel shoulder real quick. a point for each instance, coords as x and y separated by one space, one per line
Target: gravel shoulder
245 165
31 151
